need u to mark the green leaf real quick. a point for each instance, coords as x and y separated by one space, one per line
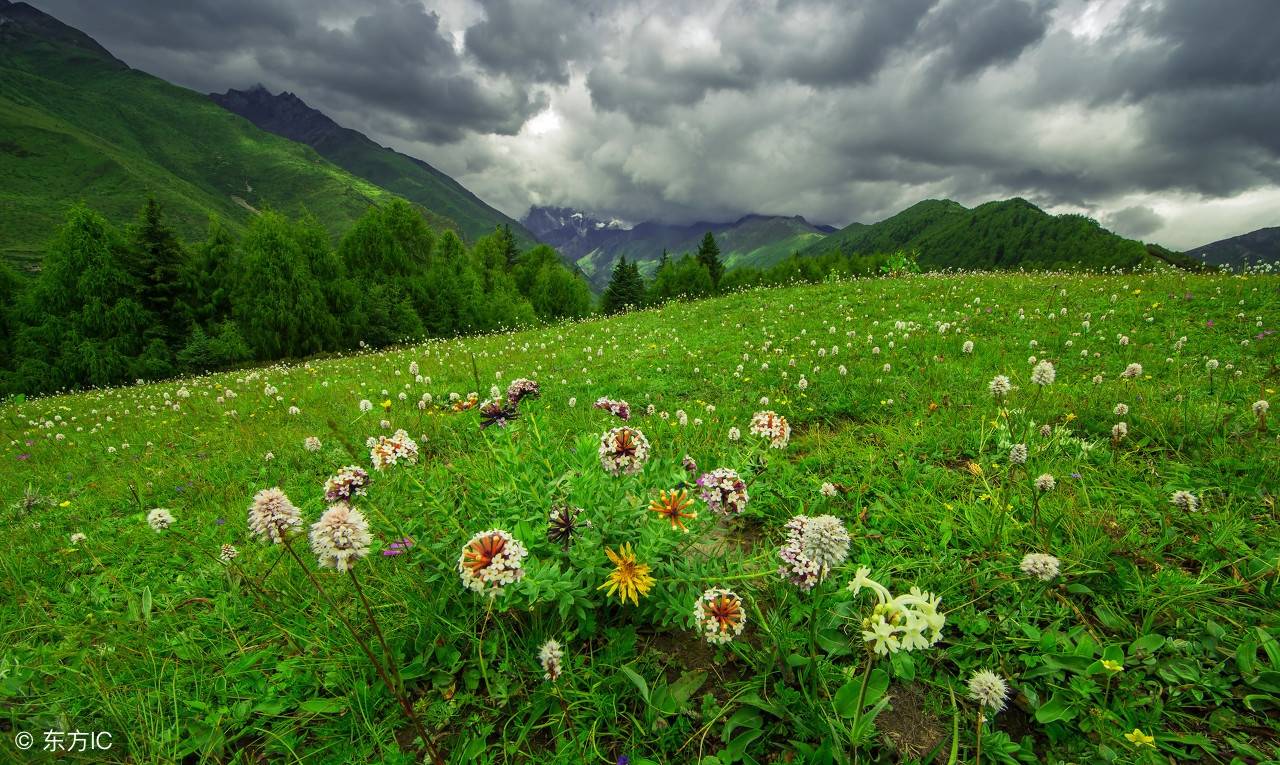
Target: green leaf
1054 709
1147 644
877 684
687 685
639 682
322 706
846 699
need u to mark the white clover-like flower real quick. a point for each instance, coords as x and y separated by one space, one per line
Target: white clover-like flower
1120 410
366 405
623 451
1185 500
1045 483
734 434
1041 566
999 386
1120 431
311 444
551 656
988 689
392 450
1018 454
724 491
1211 364
773 426
815 546
827 489
160 519
77 538
1261 407
341 537
1132 371
907 622
272 516
719 615
967 347
490 561
1044 373
227 553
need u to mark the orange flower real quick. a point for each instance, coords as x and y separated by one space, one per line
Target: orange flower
671 506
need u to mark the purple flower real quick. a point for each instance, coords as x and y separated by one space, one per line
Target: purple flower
24 457
398 546
220 521
1075 476
624 760
1209 323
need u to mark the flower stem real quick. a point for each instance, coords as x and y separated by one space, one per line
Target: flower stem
389 658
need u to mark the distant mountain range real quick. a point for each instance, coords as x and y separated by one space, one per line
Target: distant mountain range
594 245
1012 233
289 116
1255 247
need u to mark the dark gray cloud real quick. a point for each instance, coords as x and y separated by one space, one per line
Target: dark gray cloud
1143 113
1137 221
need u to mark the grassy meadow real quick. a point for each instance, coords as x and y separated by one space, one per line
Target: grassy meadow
1150 635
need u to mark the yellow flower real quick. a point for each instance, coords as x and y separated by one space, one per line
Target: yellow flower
1070 416
628 578
1140 739
386 404
671 507
65 503
1112 666
974 468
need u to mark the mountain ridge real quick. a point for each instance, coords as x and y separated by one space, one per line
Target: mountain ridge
289 116
1251 248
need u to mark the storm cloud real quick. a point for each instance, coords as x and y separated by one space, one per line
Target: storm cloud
1156 117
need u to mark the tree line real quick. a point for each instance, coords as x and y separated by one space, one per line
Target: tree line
111 306
703 274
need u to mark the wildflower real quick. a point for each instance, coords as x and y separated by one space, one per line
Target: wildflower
719 615
491 560
619 409
1043 567
1185 500
397 547
671 506
814 546
497 412
772 426
563 525
628 579
989 689
390 451
272 516
1121 410
522 388
227 553
623 451
573 401
311 444
1045 431
1132 371
1140 739
827 489
1018 454
904 623
347 483
724 491
1211 364
967 347
734 434
160 519
340 537
1045 483
999 386
268 457
689 465
1260 409
366 405
77 538
1044 373
1112 666
550 656
1119 431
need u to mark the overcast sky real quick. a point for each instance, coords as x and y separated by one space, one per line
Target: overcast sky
1160 119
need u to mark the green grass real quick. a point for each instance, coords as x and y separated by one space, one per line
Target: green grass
148 636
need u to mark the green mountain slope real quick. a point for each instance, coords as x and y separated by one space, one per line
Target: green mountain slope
1012 233
288 116
77 124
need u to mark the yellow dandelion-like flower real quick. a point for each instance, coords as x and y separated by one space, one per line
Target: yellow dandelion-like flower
1140 739
1112 666
974 468
629 579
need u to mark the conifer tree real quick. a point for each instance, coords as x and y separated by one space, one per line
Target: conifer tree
157 260
709 256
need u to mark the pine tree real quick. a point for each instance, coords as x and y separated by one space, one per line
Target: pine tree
157 260
614 299
709 256
507 242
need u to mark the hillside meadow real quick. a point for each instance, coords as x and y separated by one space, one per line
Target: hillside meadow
938 518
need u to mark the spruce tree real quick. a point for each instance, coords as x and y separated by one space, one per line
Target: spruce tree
618 295
709 256
157 260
